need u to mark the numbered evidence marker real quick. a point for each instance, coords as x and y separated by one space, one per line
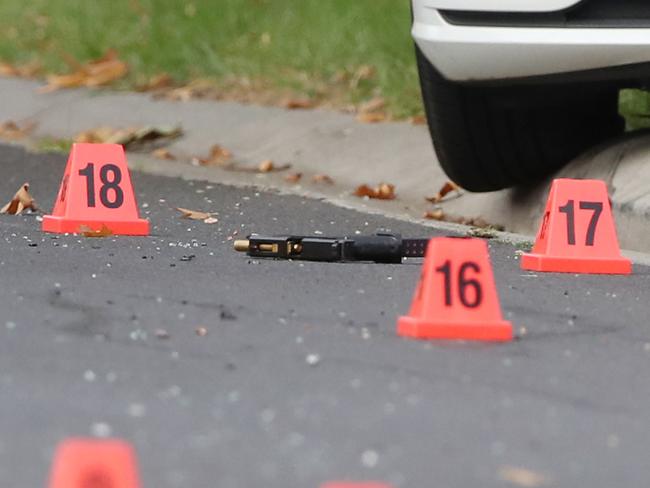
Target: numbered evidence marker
456 297
96 192
90 463
577 233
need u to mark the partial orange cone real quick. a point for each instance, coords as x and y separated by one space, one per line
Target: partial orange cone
89 463
96 193
456 297
577 233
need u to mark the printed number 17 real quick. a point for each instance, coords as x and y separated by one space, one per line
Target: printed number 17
569 210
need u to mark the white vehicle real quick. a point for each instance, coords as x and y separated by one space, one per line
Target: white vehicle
514 89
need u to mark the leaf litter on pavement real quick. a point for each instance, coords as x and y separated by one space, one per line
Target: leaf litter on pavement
97 72
383 191
445 190
86 231
372 111
21 201
205 217
218 156
132 138
13 131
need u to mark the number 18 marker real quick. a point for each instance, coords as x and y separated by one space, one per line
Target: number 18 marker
96 193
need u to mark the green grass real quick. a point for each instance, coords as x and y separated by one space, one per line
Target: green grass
270 47
301 46
635 107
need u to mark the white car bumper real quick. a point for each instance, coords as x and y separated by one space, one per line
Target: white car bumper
473 53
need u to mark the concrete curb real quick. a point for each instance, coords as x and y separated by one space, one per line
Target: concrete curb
319 141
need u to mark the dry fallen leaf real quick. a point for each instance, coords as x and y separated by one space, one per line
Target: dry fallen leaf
373 105
11 130
27 70
293 177
218 156
94 73
321 178
195 89
297 103
418 120
383 191
163 153
266 166
522 477
363 72
372 117
86 231
157 82
22 200
129 137
436 214
447 188
193 214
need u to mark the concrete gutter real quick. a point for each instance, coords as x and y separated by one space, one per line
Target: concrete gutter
319 141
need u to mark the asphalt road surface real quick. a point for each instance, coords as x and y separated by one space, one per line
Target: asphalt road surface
300 377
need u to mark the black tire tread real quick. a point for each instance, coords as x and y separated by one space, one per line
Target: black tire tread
484 144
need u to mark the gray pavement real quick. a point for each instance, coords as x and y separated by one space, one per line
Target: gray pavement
301 378
321 141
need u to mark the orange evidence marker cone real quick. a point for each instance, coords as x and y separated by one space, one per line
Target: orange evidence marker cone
456 297
96 193
90 463
577 233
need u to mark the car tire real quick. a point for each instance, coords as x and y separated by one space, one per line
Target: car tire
490 138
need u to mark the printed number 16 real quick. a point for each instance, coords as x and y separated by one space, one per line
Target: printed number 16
111 177
569 210
468 299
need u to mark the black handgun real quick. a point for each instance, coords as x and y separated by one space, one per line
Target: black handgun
382 247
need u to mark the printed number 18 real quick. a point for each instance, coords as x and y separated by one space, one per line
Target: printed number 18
111 177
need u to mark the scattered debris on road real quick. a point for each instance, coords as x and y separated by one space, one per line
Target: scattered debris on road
162 334
522 477
312 359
